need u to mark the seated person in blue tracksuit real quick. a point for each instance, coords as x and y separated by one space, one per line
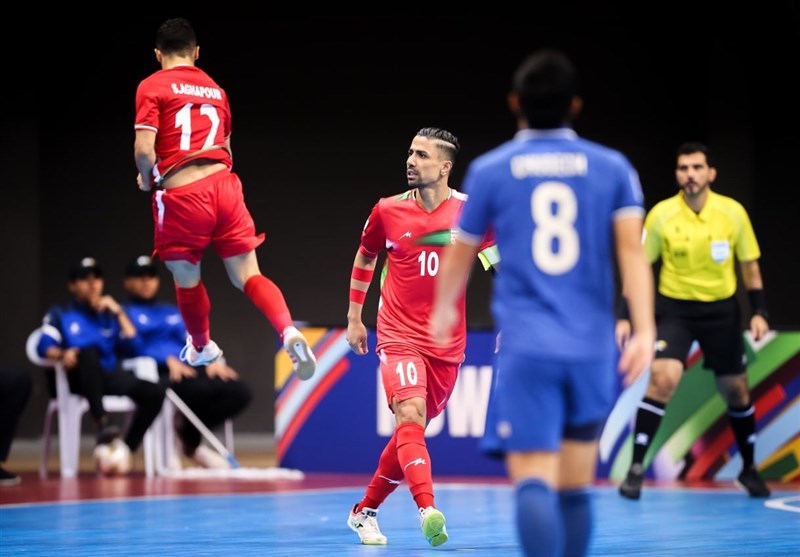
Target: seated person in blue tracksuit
213 392
86 336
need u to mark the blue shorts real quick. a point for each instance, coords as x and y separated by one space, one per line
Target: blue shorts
536 403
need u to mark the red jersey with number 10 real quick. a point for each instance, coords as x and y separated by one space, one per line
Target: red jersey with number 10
189 113
414 239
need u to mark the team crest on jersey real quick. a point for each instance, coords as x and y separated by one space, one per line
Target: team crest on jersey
438 238
453 235
720 251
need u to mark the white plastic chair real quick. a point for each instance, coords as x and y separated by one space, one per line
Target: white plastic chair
70 409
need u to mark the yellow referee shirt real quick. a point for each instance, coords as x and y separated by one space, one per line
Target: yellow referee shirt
697 250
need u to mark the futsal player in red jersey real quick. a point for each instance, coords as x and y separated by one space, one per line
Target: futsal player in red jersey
418 374
183 154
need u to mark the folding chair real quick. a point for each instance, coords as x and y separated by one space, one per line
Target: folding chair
170 458
70 408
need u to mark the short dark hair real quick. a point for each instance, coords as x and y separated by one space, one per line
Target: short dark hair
690 147
545 83
448 143
176 36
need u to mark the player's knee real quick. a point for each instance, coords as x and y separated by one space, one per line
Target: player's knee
664 379
733 388
409 413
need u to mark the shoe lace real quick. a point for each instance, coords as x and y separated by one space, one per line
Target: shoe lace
422 513
368 522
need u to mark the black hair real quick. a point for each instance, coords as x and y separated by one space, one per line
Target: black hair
448 143
690 147
176 36
546 82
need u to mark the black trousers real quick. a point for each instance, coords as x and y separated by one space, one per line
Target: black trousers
15 390
212 399
92 381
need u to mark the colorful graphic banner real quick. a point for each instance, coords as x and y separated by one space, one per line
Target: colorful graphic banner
338 420
695 441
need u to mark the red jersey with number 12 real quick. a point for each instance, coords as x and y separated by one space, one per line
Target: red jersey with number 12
413 239
190 114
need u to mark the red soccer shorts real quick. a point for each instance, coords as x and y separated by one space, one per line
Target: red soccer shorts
407 374
209 212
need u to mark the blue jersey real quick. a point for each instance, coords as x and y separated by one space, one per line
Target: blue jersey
552 198
77 325
160 329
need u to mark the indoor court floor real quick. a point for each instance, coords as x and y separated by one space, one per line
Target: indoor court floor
135 516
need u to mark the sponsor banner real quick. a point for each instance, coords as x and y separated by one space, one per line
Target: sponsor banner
338 420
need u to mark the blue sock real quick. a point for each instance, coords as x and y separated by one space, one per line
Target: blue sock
576 515
539 524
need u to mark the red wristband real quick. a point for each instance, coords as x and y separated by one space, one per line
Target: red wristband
358 296
363 275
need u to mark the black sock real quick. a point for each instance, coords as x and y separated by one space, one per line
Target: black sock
106 431
648 418
743 424
101 423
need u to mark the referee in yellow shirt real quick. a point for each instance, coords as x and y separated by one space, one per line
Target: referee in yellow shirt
697 234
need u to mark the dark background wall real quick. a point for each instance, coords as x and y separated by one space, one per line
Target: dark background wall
324 109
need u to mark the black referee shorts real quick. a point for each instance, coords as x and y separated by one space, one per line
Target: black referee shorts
716 326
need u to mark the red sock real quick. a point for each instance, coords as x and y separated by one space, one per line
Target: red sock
194 305
267 297
386 479
412 454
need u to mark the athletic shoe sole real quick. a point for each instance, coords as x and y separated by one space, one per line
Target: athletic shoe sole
433 528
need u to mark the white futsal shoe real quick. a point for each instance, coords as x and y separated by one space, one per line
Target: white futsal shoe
304 363
209 354
365 524
207 457
431 521
113 459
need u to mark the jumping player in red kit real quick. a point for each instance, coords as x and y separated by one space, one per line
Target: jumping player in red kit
418 374
183 154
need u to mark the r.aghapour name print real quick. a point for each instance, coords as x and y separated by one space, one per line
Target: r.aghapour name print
195 91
